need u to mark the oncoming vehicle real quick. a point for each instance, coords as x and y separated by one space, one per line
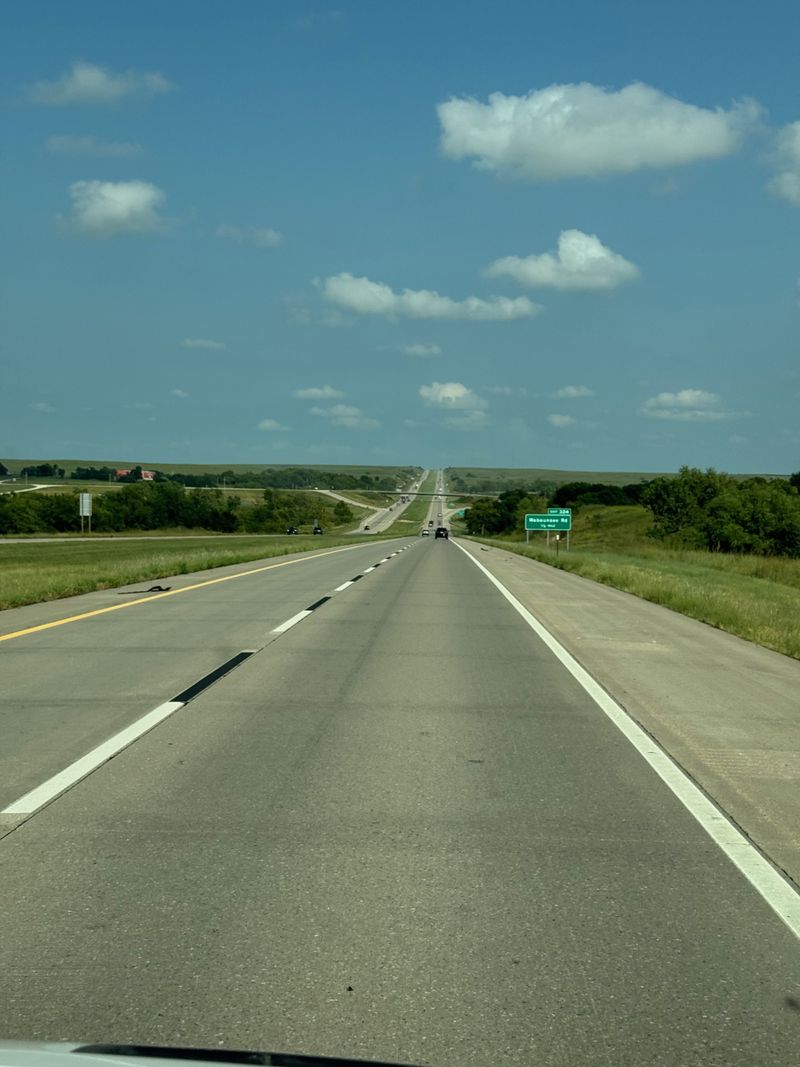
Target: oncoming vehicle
442 531
366 525
292 530
425 532
317 529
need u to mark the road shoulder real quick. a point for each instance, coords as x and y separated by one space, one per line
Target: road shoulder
727 710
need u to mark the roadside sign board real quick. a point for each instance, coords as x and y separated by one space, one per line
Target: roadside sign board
85 505
559 511
548 522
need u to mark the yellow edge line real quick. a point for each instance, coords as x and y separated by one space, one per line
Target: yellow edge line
171 592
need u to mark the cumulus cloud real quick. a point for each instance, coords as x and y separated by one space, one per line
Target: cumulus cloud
346 415
104 209
181 394
271 425
67 144
561 422
260 236
87 83
451 395
572 392
584 130
687 405
582 262
420 349
786 183
201 342
365 297
43 407
318 392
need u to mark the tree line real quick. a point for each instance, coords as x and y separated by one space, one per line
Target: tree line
697 509
269 478
163 505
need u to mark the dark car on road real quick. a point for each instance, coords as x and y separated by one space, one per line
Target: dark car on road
442 531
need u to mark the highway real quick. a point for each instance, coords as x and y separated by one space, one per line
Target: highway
395 822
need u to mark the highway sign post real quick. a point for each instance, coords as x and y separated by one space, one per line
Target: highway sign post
85 509
555 519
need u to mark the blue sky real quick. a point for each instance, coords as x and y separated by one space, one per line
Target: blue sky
456 233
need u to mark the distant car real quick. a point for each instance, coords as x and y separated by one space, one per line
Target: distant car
317 529
442 531
366 527
430 522
292 530
425 533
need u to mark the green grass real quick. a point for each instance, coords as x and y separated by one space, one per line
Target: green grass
754 597
30 573
415 514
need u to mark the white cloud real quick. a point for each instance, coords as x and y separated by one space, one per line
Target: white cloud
43 407
567 131
506 390
179 393
420 349
468 420
271 425
103 209
687 405
201 342
451 395
582 262
346 415
572 392
561 421
318 392
67 144
365 297
260 236
786 183
86 83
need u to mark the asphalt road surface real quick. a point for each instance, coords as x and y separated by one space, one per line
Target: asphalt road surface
400 829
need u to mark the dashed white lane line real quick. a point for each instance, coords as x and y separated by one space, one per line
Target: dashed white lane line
62 781
284 626
59 783
778 893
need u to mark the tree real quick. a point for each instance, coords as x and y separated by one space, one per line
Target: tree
342 513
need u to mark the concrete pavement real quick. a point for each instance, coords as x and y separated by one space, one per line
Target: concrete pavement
400 831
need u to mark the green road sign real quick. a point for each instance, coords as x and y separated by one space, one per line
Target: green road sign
548 522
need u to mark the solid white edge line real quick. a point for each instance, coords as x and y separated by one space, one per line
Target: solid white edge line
59 783
341 587
284 626
759 872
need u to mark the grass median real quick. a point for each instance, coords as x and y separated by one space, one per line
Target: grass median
416 513
31 573
754 597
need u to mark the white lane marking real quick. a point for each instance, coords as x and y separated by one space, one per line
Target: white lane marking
368 570
344 585
62 781
759 872
284 626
